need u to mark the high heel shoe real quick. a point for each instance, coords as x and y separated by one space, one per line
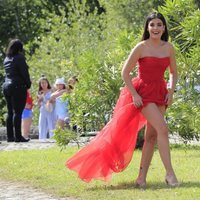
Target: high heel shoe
172 181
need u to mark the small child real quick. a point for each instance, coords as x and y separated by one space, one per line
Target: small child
27 116
61 106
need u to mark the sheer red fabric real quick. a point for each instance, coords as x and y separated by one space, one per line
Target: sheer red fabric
112 149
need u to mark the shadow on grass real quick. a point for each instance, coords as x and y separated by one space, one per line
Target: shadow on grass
150 186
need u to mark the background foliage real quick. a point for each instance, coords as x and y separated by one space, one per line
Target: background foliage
91 39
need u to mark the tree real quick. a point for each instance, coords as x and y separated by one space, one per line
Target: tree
185 114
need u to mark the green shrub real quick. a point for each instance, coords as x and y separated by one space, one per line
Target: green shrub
64 136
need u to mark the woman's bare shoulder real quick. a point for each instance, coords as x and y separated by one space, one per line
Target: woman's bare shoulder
139 47
170 47
168 44
141 44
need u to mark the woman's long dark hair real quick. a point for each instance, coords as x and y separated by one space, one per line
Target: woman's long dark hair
155 15
15 46
40 80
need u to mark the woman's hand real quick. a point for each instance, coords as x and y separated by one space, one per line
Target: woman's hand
52 99
169 98
40 97
39 100
137 100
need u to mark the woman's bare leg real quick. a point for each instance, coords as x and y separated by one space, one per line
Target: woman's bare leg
26 124
148 150
155 118
147 153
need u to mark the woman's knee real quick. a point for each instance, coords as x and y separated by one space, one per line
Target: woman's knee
155 118
163 129
150 134
151 138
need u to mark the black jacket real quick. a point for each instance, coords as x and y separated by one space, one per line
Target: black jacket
16 70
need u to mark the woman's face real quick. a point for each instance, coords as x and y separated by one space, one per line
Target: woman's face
60 86
156 28
44 84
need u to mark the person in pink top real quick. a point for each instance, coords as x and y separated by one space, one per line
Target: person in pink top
142 102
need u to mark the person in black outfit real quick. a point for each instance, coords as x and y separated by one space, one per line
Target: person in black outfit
17 81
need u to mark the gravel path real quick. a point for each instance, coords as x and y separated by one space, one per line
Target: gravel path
32 144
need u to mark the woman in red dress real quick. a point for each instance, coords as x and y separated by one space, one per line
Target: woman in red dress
142 101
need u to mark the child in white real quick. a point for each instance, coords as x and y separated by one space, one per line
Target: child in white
61 105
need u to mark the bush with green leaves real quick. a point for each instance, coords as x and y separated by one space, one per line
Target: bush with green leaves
64 136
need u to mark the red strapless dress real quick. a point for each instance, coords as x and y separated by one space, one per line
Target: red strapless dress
112 149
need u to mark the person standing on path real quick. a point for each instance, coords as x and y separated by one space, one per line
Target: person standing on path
17 81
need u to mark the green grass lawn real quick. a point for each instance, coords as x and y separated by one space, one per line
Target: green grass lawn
45 169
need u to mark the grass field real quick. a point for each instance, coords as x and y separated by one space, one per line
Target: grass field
45 169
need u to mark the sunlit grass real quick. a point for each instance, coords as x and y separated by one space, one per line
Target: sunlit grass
45 169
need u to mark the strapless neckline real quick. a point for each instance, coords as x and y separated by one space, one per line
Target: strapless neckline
154 57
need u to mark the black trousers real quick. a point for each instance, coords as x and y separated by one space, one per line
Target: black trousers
16 99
